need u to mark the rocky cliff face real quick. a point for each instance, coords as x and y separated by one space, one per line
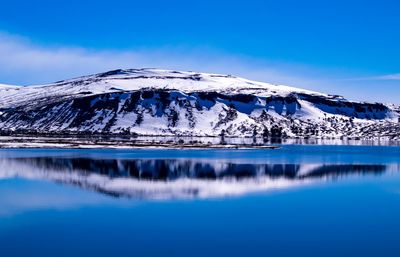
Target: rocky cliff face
159 102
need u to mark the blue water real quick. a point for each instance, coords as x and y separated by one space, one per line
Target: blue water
337 201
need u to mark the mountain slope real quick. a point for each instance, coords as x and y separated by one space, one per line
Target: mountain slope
161 102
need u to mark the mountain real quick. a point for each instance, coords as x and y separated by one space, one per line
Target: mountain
163 102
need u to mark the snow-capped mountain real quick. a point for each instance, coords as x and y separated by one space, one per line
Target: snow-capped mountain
162 102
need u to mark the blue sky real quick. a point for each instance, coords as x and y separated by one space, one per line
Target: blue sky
344 47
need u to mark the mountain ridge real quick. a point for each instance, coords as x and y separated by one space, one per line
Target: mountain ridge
165 102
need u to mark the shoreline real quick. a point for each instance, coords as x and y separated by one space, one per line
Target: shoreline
115 146
157 142
31 143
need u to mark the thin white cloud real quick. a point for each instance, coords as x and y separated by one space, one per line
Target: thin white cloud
395 76
23 62
386 77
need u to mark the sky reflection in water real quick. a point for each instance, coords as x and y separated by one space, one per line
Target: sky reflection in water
299 200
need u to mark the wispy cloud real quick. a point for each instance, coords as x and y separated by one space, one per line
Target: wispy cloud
386 77
23 62
395 76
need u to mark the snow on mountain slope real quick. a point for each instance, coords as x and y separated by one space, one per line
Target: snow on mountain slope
162 102
4 86
137 79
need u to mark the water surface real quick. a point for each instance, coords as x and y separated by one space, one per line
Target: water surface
300 200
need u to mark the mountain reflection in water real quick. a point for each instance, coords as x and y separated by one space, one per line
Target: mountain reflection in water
176 178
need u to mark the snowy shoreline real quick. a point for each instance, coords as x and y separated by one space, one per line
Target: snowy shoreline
170 142
85 143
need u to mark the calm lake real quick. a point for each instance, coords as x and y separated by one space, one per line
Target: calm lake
299 200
